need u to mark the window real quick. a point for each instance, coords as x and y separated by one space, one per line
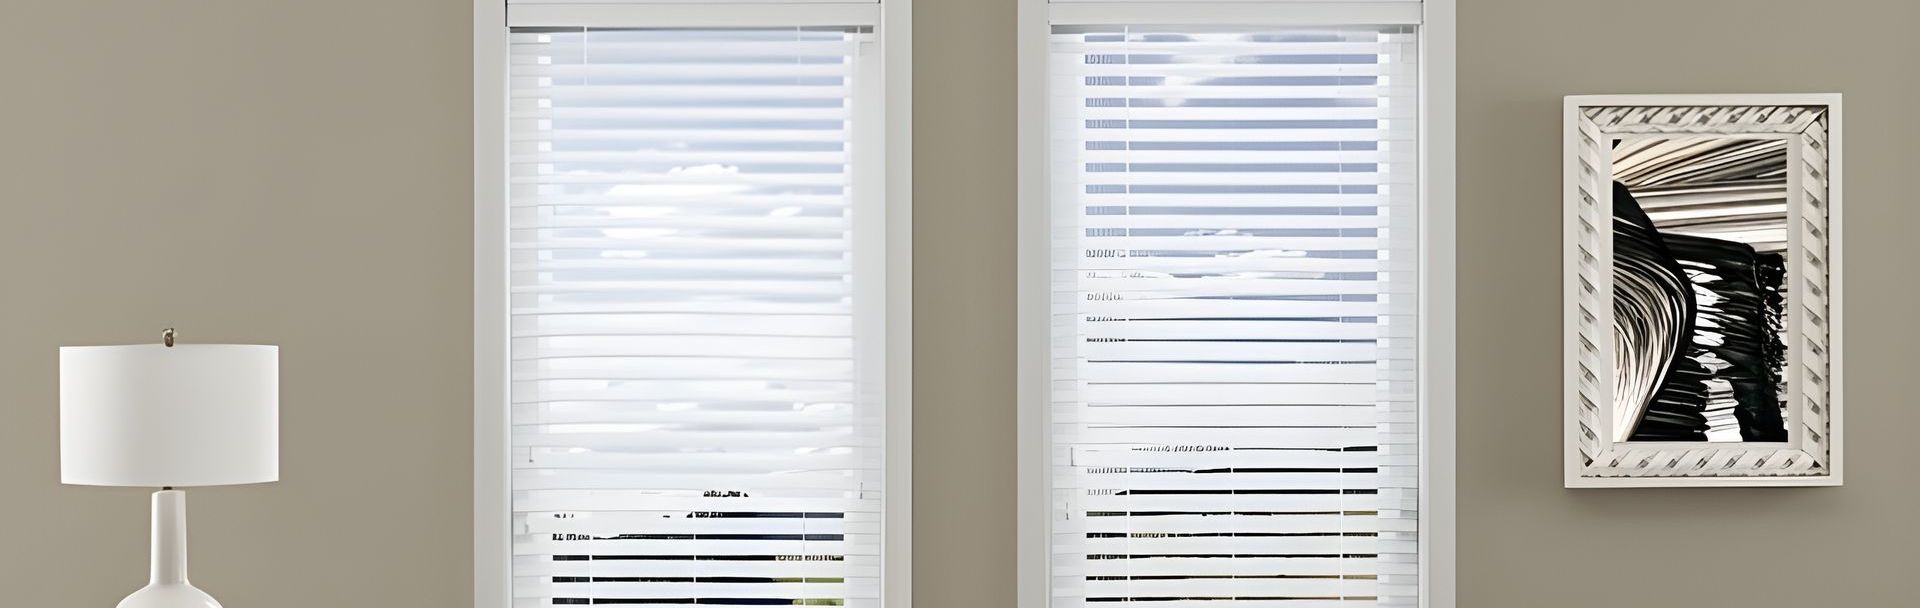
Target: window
693 309
1232 224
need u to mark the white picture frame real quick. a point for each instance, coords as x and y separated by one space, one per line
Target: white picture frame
1595 454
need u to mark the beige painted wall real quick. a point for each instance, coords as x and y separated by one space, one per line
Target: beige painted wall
305 181
1524 540
286 171
963 199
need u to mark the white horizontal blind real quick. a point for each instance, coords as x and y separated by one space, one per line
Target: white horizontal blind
695 317
1234 222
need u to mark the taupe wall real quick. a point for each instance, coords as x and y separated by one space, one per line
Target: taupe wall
1524 541
963 373
302 178
286 171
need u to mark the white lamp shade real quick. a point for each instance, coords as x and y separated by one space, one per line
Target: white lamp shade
153 415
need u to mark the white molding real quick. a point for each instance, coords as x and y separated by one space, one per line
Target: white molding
1570 235
1703 482
1437 320
896 47
1438 317
695 15
1032 337
1136 12
1582 135
1835 292
492 489
1743 99
492 493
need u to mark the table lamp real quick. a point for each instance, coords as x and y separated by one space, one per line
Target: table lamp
166 416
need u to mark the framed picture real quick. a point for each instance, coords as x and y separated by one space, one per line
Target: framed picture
1702 290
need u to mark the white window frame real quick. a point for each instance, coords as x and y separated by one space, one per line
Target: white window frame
893 23
1435 19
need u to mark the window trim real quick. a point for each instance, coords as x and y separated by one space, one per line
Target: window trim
492 490
1437 269
1183 12
801 14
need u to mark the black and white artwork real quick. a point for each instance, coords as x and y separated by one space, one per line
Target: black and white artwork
1702 270
1699 269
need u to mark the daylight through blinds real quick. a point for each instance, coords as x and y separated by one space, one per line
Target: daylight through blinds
1234 245
695 329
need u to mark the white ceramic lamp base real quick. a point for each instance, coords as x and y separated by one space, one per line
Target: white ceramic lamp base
168 586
